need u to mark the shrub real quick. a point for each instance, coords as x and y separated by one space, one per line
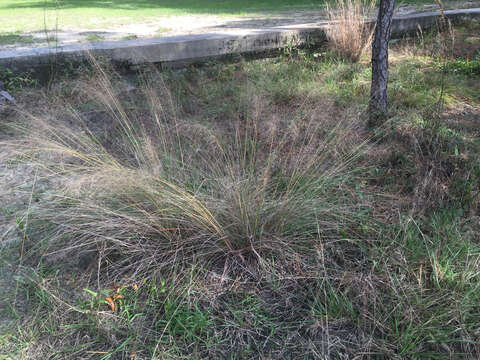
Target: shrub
463 66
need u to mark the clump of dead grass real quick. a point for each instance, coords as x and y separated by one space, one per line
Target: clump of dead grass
155 191
348 35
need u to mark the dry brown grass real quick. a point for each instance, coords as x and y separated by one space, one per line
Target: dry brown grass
347 33
155 191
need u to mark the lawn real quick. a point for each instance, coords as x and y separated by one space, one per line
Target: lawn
34 15
245 210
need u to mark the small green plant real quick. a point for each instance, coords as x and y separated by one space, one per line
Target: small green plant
94 38
96 299
20 223
189 323
15 83
333 304
463 66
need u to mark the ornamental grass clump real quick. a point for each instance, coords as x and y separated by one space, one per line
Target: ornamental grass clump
347 34
137 189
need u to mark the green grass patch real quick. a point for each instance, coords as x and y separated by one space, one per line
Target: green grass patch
16 38
94 38
19 15
464 66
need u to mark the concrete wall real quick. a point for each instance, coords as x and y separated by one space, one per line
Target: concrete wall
197 48
409 24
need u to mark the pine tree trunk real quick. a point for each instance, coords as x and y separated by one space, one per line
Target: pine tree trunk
378 92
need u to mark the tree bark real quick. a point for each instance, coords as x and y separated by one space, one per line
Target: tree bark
378 92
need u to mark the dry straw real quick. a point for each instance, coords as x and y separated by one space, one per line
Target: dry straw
348 34
159 190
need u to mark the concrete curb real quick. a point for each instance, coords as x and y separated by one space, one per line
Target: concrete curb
198 48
